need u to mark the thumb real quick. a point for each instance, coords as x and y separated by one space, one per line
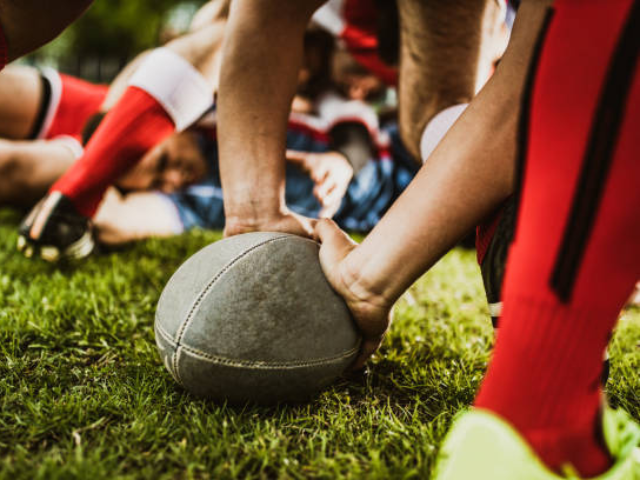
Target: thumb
335 242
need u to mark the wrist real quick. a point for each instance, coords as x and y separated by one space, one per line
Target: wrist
246 218
254 209
369 288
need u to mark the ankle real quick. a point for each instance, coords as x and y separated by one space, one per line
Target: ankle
581 448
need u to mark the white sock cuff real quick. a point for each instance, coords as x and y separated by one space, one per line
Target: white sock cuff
438 127
176 84
54 101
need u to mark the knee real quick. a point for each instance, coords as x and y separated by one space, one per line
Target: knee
412 120
410 137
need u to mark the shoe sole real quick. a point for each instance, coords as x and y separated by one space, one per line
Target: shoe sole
81 248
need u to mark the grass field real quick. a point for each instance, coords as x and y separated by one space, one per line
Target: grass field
84 395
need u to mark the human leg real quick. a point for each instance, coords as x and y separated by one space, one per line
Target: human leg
20 101
444 52
563 293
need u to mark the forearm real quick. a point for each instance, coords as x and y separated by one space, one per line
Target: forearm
29 168
201 48
210 12
198 48
466 178
123 219
262 57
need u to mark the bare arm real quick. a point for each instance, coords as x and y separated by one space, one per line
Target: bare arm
29 168
201 48
136 216
466 177
262 57
210 12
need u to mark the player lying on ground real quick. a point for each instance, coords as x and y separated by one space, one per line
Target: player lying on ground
540 411
322 120
314 174
170 90
320 182
140 115
43 115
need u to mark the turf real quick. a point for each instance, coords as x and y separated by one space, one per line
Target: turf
84 395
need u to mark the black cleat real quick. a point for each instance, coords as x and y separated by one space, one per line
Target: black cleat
54 230
495 259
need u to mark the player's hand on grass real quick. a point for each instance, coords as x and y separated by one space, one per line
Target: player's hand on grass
331 172
371 311
287 222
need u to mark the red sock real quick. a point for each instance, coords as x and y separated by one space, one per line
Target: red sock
136 124
558 314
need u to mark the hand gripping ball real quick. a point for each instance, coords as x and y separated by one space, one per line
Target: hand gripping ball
252 318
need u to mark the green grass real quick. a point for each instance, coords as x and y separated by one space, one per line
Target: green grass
84 395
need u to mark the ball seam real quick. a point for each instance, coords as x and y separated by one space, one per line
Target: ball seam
224 270
203 293
251 363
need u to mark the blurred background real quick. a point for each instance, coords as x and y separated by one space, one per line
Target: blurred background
111 33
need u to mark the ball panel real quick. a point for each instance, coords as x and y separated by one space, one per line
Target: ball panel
167 349
188 281
252 318
238 384
273 294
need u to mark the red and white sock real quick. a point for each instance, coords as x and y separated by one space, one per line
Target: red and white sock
165 94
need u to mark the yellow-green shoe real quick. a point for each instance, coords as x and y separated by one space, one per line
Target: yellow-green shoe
482 446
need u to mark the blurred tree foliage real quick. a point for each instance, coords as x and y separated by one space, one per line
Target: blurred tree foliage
119 29
119 26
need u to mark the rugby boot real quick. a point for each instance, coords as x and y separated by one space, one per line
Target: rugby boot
54 230
483 446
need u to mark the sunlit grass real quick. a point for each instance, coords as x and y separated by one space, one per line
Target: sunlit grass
84 395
